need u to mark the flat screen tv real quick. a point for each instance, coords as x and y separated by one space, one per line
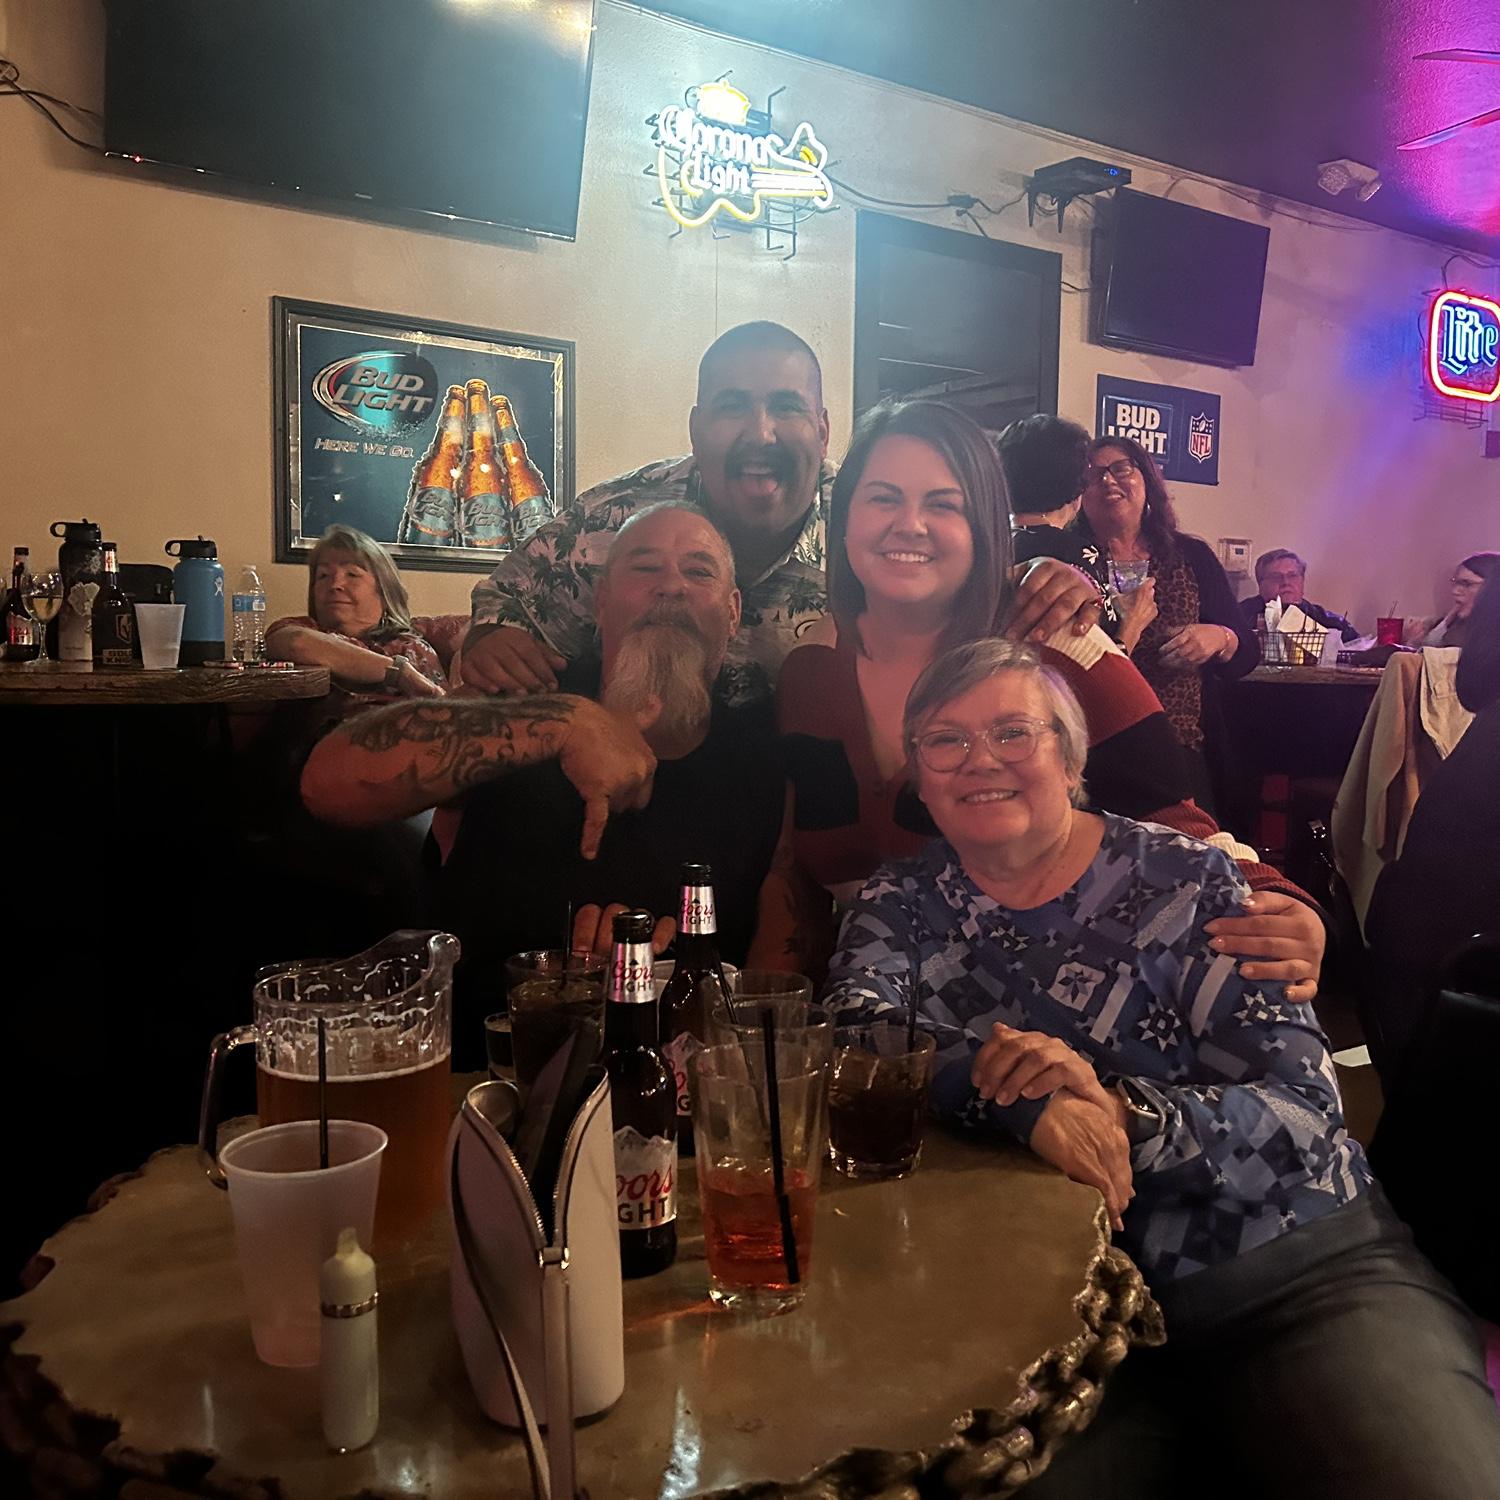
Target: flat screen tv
467 111
1172 279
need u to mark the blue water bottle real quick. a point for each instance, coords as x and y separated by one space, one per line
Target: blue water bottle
198 583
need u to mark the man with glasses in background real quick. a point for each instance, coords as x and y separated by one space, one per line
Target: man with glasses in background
1281 574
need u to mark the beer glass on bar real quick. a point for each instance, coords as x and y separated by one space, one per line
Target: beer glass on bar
387 1015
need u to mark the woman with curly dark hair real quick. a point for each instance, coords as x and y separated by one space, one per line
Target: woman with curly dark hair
1182 625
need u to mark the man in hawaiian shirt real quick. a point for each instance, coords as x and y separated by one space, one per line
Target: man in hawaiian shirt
759 470
759 433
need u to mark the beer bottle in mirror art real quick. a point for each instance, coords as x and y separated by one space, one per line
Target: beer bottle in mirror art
483 510
696 988
530 499
431 514
643 1097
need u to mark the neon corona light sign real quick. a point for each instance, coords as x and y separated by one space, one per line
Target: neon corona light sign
1463 347
709 161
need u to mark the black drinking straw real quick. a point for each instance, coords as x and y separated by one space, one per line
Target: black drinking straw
322 1093
913 985
567 942
778 1167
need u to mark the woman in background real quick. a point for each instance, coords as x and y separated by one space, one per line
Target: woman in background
1452 629
1195 629
359 625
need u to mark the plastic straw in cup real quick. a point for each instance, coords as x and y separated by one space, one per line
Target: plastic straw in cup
778 1166
322 1093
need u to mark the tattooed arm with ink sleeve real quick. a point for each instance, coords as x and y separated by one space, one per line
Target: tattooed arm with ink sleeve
396 761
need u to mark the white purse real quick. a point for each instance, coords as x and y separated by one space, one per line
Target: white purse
540 1322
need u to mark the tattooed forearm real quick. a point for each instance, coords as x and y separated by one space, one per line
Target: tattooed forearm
400 759
426 720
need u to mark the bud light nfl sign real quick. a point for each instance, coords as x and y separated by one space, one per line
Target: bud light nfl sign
1179 428
1463 347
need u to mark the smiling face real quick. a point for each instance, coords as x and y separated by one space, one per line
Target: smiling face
669 567
759 435
1114 491
1466 587
908 538
346 597
988 802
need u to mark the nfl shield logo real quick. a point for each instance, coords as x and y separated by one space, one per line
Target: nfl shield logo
1200 443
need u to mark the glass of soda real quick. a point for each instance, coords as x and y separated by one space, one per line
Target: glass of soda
877 1099
552 994
759 1242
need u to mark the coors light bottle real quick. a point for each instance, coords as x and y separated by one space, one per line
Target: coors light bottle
695 989
643 1097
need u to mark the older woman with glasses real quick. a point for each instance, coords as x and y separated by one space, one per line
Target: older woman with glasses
1187 624
919 556
1452 629
1062 960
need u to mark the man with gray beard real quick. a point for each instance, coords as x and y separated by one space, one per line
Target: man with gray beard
592 797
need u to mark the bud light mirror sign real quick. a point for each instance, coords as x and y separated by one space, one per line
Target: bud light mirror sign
1179 428
448 444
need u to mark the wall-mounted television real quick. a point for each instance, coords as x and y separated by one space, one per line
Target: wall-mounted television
1169 278
469 112
947 316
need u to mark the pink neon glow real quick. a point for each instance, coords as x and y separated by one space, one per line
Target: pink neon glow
1434 367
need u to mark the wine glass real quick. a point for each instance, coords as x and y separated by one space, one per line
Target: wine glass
44 597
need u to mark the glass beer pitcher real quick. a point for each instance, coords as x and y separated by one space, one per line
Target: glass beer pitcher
387 1016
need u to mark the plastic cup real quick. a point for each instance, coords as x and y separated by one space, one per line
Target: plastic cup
159 627
1388 630
287 1216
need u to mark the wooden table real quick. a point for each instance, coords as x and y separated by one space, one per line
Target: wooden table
57 684
1366 677
958 1326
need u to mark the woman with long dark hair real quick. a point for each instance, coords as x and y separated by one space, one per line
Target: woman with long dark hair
919 560
1452 629
1193 628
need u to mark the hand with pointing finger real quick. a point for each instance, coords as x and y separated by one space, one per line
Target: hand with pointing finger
609 764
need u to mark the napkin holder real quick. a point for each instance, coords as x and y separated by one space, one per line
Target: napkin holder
539 1317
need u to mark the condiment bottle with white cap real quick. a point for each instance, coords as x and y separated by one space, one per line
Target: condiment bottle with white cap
350 1359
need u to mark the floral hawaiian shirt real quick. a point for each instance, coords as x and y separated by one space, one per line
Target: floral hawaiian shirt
546 586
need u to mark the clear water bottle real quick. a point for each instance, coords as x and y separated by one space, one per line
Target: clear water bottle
249 610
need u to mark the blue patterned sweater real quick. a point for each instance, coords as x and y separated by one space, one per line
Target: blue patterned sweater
1119 967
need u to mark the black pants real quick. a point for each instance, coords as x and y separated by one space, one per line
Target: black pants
1331 1364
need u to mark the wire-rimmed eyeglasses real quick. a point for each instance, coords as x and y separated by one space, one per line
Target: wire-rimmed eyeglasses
1009 740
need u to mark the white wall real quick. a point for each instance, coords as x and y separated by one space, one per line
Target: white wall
135 379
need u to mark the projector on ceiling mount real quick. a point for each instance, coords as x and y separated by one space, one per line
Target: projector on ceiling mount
1063 181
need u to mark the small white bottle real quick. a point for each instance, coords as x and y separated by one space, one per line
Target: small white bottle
350 1364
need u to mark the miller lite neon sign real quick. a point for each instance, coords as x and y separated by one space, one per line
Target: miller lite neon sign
1463 347
710 161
